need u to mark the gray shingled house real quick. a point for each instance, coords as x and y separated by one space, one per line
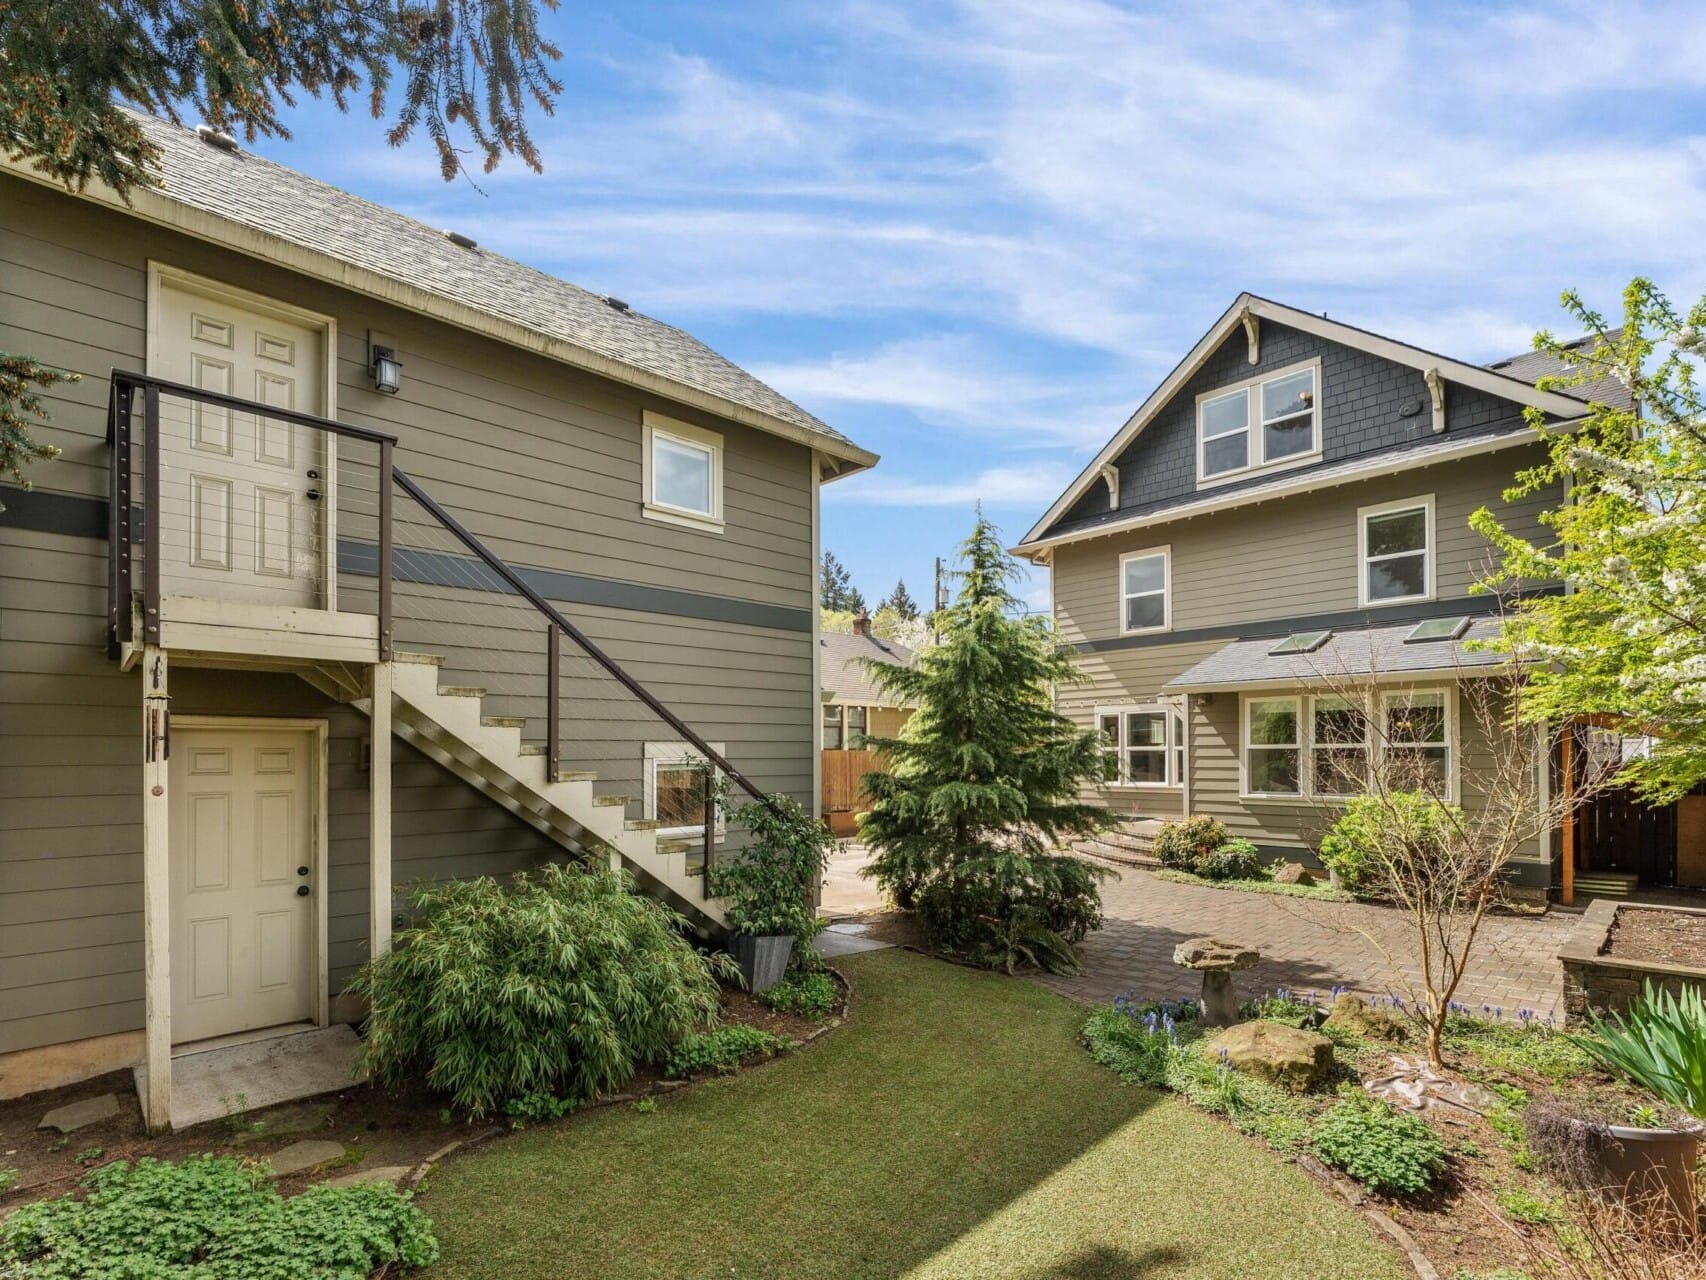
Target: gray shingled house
1288 511
372 556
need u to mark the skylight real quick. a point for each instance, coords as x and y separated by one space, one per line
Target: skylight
1301 642
1435 629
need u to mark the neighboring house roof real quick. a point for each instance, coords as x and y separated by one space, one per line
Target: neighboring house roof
1496 381
1531 366
844 675
1375 651
257 206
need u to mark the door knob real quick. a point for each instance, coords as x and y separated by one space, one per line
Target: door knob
301 891
302 871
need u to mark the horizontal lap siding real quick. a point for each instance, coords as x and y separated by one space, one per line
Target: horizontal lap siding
539 459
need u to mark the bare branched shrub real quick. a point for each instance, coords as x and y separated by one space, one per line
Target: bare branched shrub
1606 1241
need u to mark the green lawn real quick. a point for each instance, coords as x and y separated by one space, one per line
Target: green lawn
953 1127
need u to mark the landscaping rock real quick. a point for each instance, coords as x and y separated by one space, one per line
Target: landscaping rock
1217 961
1294 873
287 1121
392 1173
1287 1056
298 1156
80 1115
1355 1015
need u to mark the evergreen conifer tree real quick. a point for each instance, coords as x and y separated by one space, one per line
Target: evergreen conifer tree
984 780
901 601
834 584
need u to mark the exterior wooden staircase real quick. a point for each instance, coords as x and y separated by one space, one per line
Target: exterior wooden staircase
447 724
1130 844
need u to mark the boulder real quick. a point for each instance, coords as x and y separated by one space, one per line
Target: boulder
1294 873
1287 1056
1354 1015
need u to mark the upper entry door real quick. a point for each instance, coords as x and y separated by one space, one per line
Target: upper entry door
243 497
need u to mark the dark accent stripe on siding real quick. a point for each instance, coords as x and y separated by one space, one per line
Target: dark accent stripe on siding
1344 620
65 513
43 512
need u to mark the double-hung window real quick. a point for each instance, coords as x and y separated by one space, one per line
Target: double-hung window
675 789
1397 551
1142 746
1273 746
1417 729
1146 590
1324 744
1266 422
844 728
682 469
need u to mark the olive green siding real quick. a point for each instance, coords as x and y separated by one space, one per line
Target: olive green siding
1257 571
541 461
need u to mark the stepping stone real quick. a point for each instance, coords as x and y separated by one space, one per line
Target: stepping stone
298 1156
79 1115
303 1117
392 1173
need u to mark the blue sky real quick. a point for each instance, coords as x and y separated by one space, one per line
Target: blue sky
973 236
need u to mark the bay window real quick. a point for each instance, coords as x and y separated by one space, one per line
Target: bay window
1324 745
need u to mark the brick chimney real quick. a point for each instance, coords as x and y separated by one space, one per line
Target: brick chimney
862 625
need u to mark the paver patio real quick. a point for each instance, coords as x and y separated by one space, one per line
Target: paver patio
1305 945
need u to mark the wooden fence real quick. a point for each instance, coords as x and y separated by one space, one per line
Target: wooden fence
841 773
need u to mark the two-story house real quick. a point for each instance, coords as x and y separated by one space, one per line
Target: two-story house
372 556
1286 516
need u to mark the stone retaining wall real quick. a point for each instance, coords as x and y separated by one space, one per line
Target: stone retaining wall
1593 980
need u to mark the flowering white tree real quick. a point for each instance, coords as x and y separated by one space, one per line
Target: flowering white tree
1628 641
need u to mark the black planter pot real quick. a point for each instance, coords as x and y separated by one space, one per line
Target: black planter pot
1649 1170
762 960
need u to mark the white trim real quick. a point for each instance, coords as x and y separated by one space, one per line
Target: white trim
1297 744
162 275
1166 593
1170 744
1470 375
1308 481
157 206
1256 461
1429 550
379 828
156 1094
658 426
673 753
817 646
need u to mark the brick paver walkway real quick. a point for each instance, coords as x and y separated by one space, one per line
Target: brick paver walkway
1305 945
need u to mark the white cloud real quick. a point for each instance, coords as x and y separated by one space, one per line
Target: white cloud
995 487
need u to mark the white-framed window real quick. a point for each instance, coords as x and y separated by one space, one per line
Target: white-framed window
1142 746
1417 730
1268 422
844 727
674 783
1395 544
1146 590
1273 746
683 473
1319 745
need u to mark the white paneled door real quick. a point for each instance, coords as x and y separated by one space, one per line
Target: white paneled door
243 497
242 880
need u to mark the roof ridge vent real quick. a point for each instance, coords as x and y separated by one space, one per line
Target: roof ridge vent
461 241
216 138
615 304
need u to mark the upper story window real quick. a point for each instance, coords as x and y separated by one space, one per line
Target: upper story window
683 473
1397 551
1146 590
1272 421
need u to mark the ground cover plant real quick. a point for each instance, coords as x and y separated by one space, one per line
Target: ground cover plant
721 1049
212 1218
1389 1152
557 983
953 1127
811 994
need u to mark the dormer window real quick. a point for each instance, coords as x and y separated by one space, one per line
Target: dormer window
1268 422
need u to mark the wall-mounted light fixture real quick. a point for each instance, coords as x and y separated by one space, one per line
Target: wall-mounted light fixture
387 371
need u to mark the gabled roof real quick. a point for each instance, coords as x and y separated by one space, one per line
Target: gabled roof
1494 381
251 204
843 672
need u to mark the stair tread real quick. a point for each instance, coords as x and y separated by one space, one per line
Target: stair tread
532 749
504 722
576 775
460 691
641 824
426 659
611 800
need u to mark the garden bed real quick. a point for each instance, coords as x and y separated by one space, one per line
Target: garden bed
1488 1198
1668 936
1610 955
1320 890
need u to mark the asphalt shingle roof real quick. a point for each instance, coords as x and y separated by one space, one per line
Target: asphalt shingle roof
277 201
844 676
1347 654
1531 366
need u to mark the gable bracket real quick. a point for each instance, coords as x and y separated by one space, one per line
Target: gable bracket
1252 333
1111 477
1436 389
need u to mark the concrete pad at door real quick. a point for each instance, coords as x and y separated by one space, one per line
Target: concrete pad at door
79 1115
303 1155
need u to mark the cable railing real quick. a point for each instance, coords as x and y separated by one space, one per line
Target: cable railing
267 504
